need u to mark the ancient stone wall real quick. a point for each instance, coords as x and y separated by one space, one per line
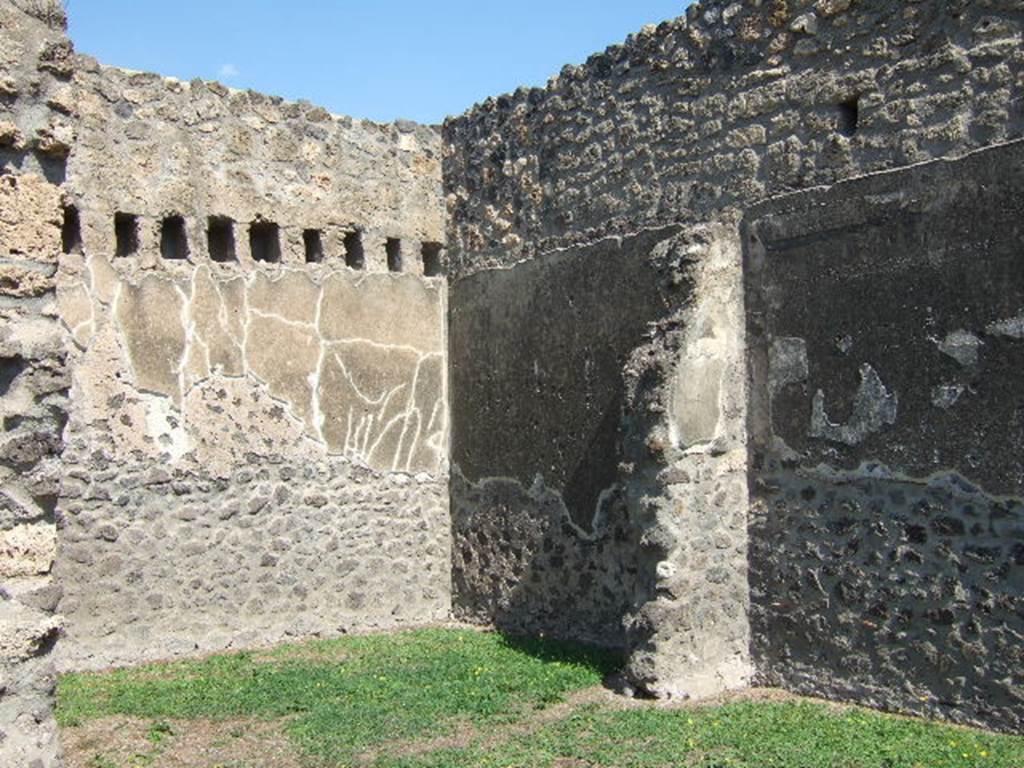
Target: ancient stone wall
33 373
250 457
887 533
538 509
730 104
189 168
257 446
248 301
687 124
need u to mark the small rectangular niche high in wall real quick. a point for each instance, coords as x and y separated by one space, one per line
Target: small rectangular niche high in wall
220 239
394 252
173 238
312 241
265 241
126 234
431 253
71 231
848 116
355 258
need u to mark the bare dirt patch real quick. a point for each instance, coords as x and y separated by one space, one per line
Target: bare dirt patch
122 742
465 735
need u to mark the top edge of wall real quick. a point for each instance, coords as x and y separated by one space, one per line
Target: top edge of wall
51 12
704 22
295 108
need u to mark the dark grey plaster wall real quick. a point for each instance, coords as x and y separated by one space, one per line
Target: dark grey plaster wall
542 538
688 123
886 331
538 379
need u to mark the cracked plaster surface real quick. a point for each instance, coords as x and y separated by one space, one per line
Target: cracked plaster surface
214 366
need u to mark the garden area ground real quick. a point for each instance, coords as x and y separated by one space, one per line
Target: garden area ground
453 698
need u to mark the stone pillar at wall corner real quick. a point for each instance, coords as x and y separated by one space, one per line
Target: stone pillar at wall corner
33 369
690 635
33 360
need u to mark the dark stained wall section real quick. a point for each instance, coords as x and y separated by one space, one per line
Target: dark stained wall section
542 539
886 324
537 358
691 123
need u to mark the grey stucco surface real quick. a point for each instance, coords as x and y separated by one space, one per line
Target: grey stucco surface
887 527
540 352
542 536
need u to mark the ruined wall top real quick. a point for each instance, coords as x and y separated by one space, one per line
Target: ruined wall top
160 170
727 105
49 11
36 126
152 166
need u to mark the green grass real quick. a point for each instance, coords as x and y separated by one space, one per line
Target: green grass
344 696
339 699
797 734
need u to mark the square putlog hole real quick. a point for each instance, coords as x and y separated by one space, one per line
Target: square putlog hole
173 238
265 241
314 245
126 234
220 239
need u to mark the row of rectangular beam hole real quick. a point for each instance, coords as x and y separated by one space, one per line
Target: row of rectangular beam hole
264 242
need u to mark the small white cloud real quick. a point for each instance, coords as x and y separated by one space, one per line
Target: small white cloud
227 71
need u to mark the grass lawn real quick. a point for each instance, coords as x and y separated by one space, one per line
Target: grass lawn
453 697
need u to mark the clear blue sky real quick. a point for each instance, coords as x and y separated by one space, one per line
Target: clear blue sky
380 60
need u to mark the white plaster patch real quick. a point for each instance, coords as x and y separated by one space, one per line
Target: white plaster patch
666 570
165 425
407 142
74 304
708 375
962 346
1011 328
945 396
874 408
787 363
